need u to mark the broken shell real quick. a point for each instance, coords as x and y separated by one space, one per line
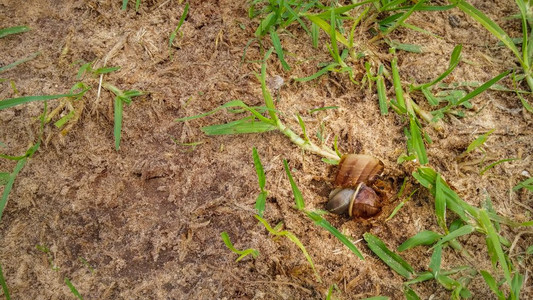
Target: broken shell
357 168
365 204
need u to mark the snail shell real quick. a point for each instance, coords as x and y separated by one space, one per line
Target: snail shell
353 195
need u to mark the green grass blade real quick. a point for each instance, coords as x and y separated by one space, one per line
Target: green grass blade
105 70
315 33
9 185
13 30
492 27
279 50
478 142
117 131
7 103
382 95
454 61
410 294
124 4
175 32
245 125
492 165
242 253
335 232
333 38
261 198
440 204
492 235
493 285
377 298
516 284
293 239
464 230
393 260
259 169
302 125
435 261
327 28
73 289
482 88
4 285
425 237
298 198
404 17
269 103
398 90
418 141
319 73
20 61
526 184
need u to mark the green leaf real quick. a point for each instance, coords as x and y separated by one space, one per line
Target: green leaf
73 289
13 30
393 260
9 185
242 253
117 131
493 285
293 239
7 103
335 232
319 73
454 61
436 258
488 24
175 32
492 165
478 142
245 125
23 60
106 70
259 169
464 230
418 142
4 285
425 237
298 198
279 50
403 17
410 294
440 204
526 184
482 88
327 28
382 95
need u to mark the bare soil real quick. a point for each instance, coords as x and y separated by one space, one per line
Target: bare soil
147 219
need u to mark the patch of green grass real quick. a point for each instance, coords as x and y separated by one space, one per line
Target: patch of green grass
260 202
526 184
242 253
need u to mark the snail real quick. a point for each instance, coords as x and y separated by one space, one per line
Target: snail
353 193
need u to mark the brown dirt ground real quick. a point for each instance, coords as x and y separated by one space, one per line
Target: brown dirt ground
148 218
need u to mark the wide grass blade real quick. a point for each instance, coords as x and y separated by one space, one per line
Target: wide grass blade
435 261
4 285
403 17
242 253
73 289
417 141
327 28
493 285
13 30
393 260
382 93
320 221
425 237
7 103
242 126
478 142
